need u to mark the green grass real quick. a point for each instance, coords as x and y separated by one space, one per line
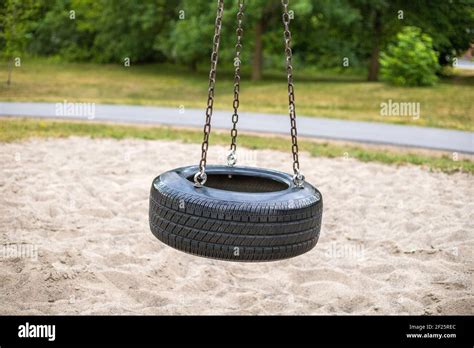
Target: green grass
330 94
19 129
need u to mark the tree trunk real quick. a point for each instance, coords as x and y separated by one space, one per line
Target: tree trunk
193 66
10 70
374 57
257 63
11 61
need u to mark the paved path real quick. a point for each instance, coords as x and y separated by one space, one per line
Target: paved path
465 64
366 132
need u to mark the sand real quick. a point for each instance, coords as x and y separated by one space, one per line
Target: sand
75 238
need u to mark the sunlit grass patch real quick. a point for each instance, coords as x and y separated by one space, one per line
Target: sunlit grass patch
330 94
19 129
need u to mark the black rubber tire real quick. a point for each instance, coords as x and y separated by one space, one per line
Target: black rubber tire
229 223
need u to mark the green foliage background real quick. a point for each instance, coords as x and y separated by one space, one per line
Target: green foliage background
410 60
324 31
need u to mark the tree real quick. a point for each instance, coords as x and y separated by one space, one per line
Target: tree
9 35
323 33
101 30
67 29
410 60
378 21
192 29
260 14
15 17
130 29
190 36
265 31
448 22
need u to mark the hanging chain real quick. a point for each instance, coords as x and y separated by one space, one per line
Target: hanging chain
200 177
298 177
232 157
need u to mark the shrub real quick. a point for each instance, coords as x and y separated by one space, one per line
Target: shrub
411 60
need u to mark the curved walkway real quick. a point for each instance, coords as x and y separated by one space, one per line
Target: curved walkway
366 132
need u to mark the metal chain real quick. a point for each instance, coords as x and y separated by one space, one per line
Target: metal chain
200 177
298 177
232 157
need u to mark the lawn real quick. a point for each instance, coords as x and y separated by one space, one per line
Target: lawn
328 94
20 129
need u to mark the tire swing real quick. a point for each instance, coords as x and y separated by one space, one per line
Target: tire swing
237 213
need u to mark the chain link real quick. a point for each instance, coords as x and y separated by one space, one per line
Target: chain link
232 157
200 177
298 177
